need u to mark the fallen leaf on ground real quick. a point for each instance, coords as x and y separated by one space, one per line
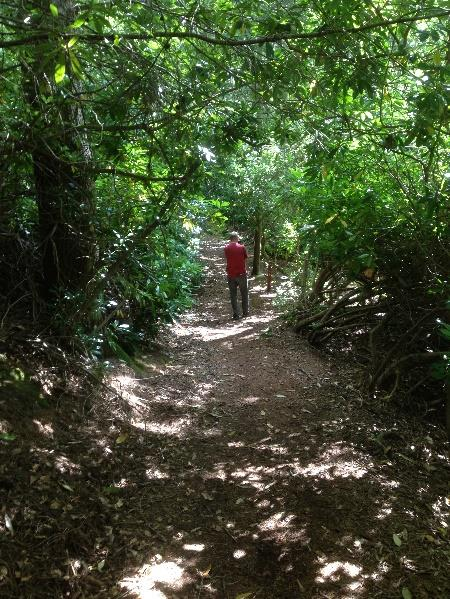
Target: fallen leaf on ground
9 524
101 565
207 571
67 487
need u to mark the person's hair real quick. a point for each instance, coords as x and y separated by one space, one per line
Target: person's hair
234 236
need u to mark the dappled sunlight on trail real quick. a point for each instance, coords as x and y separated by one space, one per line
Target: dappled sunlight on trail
254 475
157 571
235 461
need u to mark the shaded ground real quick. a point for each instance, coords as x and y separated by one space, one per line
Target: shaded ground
238 463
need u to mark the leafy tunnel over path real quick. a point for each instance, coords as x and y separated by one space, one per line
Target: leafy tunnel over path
238 462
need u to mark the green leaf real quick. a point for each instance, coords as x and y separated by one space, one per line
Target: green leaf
7 437
244 595
269 50
72 42
75 64
406 593
53 9
445 331
111 490
397 540
99 22
78 22
60 71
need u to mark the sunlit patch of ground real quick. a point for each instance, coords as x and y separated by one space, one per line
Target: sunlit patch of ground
176 427
346 575
229 329
158 571
337 461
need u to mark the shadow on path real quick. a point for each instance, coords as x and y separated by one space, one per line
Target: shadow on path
241 465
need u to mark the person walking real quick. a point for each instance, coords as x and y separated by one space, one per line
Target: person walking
236 256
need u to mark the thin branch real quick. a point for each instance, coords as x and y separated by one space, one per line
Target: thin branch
115 128
136 176
220 41
423 358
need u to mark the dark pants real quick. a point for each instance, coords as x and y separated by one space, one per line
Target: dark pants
233 284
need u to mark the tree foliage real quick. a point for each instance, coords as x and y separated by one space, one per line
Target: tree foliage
324 125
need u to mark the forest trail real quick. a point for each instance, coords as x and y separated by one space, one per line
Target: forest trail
237 463
263 473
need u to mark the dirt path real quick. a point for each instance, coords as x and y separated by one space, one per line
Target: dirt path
266 476
239 466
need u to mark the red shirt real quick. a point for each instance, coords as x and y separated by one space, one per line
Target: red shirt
235 253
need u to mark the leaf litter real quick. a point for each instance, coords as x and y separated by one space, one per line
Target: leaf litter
187 498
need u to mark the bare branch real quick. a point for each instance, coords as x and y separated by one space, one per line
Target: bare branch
222 41
136 176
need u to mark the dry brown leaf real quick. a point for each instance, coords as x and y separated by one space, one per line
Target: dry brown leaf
206 572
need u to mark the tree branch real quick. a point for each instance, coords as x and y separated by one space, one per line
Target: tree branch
136 176
221 41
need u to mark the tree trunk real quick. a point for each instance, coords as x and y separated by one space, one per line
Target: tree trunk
256 268
269 277
447 410
61 166
64 200
324 275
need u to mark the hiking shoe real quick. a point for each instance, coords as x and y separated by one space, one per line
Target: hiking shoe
235 316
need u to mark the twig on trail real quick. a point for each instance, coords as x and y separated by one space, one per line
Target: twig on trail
255 446
157 534
214 415
224 528
229 534
306 373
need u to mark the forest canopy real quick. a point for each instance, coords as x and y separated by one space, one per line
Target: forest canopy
319 128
